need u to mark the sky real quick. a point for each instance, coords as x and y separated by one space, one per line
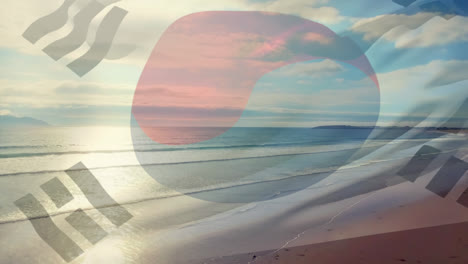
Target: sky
418 57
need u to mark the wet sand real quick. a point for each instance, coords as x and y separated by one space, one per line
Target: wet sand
362 214
445 244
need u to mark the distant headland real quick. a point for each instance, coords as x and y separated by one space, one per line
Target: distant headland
7 121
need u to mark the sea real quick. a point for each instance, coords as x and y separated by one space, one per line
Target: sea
133 168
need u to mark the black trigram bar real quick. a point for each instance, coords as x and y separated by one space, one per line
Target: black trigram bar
102 44
77 36
47 229
444 181
86 226
97 196
57 192
463 199
48 23
404 3
419 163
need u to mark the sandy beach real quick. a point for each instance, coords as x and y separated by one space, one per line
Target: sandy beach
338 217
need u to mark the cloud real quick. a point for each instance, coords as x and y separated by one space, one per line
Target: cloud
157 112
145 22
91 89
448 73
16 16
438 83
418 30
375 27
311 9
322 68
356 97
435 32
55 93
437 73
4 112
142 17
437 87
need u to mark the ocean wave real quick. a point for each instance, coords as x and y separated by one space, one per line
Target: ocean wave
26 146
111 151
179 163
307 173
189 192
